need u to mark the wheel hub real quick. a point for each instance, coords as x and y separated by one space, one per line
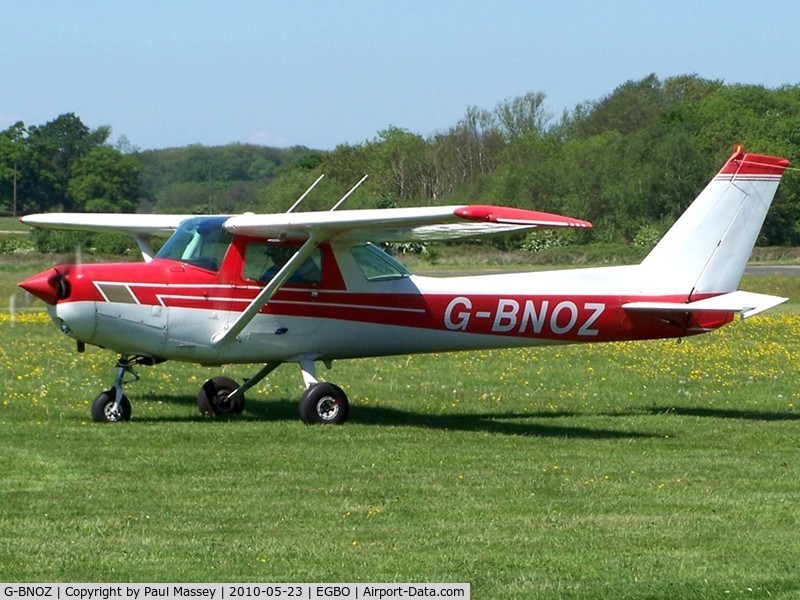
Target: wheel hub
111 412
328 408
221 401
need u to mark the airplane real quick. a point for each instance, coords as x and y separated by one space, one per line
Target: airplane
309 287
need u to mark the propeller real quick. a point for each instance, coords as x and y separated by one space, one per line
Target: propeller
53 284
13 304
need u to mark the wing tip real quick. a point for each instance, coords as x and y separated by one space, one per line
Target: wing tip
517 216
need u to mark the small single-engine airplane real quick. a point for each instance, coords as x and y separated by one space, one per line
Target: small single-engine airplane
302 287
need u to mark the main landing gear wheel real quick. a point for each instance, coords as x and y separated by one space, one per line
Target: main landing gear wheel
104 408
324 403
212 399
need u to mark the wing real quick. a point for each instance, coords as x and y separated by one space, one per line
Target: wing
108 222
398 224
140 227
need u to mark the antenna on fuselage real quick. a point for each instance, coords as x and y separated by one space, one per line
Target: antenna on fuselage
300 199
352 189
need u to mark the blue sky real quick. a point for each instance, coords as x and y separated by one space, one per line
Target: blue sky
175 72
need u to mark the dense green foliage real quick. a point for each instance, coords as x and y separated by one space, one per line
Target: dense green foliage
64 165
198 179
629 162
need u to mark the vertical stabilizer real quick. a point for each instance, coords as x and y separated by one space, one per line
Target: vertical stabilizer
707 249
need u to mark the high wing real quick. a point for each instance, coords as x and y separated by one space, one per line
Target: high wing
440 223
140 227
108 222
398 224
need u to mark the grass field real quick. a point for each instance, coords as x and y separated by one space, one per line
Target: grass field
648 470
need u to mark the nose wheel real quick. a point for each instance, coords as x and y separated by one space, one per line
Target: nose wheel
112 406
106 409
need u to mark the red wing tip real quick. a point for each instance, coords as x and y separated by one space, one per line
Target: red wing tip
517 216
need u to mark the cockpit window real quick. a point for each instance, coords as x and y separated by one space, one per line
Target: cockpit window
376 265
201 242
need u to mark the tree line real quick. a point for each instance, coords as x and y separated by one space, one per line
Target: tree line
629 162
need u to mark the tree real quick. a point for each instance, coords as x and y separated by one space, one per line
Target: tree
105 180
465 152
12 152
523 115
631 106
53 150
402 158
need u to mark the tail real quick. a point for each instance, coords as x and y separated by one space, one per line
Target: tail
706 250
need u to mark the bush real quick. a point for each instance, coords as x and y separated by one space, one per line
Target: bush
17 246
544 239
68 242
648 236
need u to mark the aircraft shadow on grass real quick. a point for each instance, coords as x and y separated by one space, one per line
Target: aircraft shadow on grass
724 413
501 423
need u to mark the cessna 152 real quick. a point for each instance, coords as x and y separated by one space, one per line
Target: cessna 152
311 286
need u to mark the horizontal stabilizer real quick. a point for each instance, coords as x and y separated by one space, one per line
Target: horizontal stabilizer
745 303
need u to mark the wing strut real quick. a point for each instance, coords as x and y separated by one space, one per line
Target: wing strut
347 195
227 335
300 199
143 242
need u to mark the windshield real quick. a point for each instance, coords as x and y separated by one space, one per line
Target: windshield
201 242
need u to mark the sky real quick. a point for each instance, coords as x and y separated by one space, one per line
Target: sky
169 73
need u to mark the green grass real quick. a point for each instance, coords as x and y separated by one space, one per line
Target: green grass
637 470
11 224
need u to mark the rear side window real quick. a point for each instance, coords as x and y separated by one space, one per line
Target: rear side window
376 265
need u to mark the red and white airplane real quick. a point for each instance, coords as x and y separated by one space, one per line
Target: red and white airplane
311 286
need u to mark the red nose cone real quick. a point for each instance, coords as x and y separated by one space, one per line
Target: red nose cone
45 285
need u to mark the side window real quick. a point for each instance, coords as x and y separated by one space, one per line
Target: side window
376 265
263 260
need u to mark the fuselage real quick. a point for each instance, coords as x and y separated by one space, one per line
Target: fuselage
358 302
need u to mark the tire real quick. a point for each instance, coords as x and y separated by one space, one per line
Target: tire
103 408
212 399
324 403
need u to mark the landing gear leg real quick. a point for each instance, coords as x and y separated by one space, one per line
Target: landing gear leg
322 402
113 406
